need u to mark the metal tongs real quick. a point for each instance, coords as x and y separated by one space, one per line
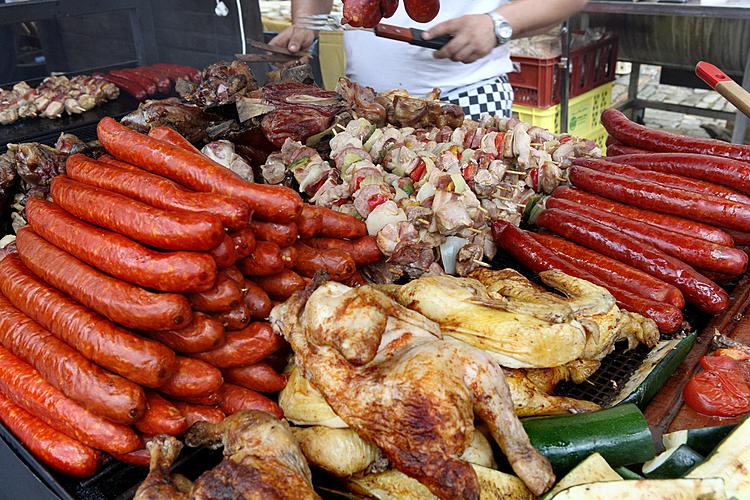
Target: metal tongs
333 22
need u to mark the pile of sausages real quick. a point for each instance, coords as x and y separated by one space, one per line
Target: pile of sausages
146 81
657 223
136 302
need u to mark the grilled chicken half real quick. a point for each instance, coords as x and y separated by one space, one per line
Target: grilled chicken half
389 375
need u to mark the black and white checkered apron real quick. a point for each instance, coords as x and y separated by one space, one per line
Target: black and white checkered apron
491 97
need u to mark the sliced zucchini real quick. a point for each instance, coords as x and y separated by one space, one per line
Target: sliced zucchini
673 463
626 473
395 485
658 366
730 461
591 470
532 209
647 489
620 434
703 440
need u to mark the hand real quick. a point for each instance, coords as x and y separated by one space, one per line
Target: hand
294 39
473 38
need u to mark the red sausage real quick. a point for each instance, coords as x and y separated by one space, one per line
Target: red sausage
740 238
650 196
117 300
171 136
613 271
224 253
283 235
265 260
362 13
136 183
244 242
203 334
536 257
288 257
727 172
309 222
622 149
281 286
212 399
235 398
161 418
257 301
337 225
148 84
389 7
65 368
271 203
162 82
355 280
697 289
236 319
223 297
193 378
129 86
668 222
669 180
199 413
176 71
258 377
698 253
245 347
235 275
165 229
633 134
26 388
422 11
53 448
364 250
139 458
336 263
142 361
119 256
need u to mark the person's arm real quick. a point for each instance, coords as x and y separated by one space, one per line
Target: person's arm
474 35
297 39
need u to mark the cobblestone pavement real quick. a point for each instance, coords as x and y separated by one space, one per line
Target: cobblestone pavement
650 88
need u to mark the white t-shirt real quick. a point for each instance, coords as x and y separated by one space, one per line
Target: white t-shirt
386 64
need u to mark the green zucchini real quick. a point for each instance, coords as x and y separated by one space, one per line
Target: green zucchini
591 470
658 366
647 489
730 461
672 463
626 473
620 434
703 440
530 211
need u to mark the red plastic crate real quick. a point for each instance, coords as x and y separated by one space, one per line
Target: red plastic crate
536 82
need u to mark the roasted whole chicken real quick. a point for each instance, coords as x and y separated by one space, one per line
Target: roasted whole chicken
389 375
261 460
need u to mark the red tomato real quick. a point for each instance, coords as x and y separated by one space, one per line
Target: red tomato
418 171
534 179
719 363
719 393
499 138
375 200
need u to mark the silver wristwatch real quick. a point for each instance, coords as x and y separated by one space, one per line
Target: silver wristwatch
503 29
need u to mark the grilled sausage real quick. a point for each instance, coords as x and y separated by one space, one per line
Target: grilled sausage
363 250
622 149
244 242
336 263
235 398
148 85
203 334
309 223
265 260
199 413
171 136
244 347
235 275
422 11
161 418
119 256
282 285
142 361
224 253
129 86
258 377
338 225
257 301
193 378
234 320
121 302
223 297
283 235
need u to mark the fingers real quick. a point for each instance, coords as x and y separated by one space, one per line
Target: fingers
452 48
282 39
444 28
301 39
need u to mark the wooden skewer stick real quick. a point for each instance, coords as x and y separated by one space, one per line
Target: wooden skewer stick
515 172
509 200
424 221
483 210
480 263
475 230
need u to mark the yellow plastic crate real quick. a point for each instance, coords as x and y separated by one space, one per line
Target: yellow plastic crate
583 112
599 136
332 57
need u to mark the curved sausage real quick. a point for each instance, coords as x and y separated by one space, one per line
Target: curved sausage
199 413
336 263
119 256
338 225
244 347
422 11
536 257
650 196
664 179
257 301
363 250
136 183
148 85
223 297
212 399
139 458
698 253
283 235
236 319
235 398
622 149
168 230
224 253
172 137
143 361
244 242
203 334
282 285
121 302
355 280
740 238
65 368
271 203
265 260
362 13
53 448
193 378
235 275
129 86
162 81
668 222
258 377
25 387
161 417
389 7
697 289
309 222
288 257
